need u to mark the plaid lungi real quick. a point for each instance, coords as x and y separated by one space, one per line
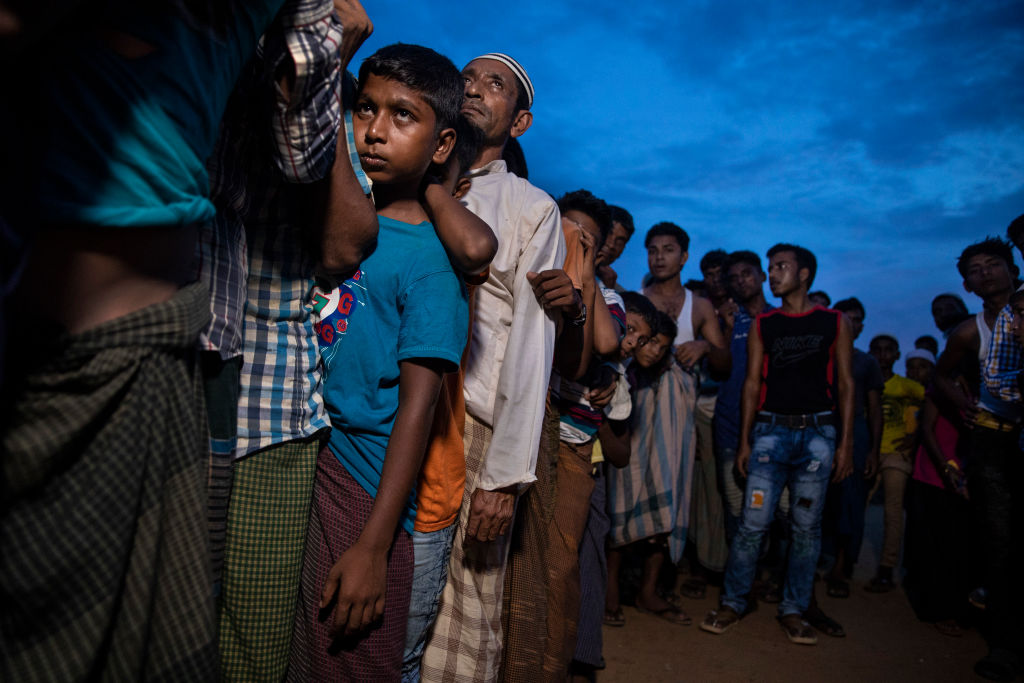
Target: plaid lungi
104 555
267 519
525 591
465 644
341 508
557 567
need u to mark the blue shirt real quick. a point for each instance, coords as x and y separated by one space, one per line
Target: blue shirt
730 392
405 302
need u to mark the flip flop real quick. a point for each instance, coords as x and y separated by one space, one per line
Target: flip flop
671 614
822 622
718 621
615 618
837 588
797 630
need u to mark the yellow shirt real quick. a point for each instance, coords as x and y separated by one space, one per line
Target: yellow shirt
901 399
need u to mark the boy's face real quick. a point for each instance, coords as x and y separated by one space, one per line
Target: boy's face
886 352
783 273
745 281
586 223
394 130
946 311
490 103
638 334
651 353
987 275
665 257
1017 324
920 370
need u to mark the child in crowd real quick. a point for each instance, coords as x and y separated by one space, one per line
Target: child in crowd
901 398
648 499
387 335
442 478
938 517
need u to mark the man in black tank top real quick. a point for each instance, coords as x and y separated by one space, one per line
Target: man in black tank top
797 395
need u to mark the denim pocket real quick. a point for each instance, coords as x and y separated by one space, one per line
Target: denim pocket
825 431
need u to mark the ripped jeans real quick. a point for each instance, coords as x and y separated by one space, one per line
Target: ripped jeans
781 456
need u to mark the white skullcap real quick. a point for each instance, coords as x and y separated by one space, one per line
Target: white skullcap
517 69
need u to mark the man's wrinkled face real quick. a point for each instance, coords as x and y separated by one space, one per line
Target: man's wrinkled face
491 90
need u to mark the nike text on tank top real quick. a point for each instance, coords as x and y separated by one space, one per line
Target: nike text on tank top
798 374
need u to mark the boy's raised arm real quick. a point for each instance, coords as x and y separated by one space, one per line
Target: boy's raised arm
469 240
359 576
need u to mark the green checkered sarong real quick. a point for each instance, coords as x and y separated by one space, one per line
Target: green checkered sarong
267 519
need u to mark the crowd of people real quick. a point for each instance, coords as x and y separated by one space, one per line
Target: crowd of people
304 380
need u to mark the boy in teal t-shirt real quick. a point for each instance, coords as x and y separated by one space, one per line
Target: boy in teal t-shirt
387 334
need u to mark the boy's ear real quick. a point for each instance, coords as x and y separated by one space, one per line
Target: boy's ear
521 123
462 187
445 144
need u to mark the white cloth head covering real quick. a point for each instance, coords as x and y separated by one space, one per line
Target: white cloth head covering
921 353
517 69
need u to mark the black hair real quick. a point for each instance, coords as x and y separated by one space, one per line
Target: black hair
804 258
642 306
821 294
882 337
522 97
928 343
1016 296
665 325
851 304
670 230
430 74
745 256
585 202
515 160
954 297
468 140
990 246
623 218
1016 228
714 258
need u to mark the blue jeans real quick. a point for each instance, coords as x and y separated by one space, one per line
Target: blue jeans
802 460
430 572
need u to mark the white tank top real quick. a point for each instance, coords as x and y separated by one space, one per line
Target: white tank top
684 323
984 336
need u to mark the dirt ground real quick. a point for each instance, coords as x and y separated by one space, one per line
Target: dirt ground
884 642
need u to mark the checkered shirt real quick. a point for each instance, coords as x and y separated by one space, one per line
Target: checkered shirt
1005 359
254 255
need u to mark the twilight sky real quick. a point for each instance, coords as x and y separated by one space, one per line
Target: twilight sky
884 136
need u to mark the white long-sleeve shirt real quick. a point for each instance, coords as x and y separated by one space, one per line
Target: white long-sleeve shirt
513 339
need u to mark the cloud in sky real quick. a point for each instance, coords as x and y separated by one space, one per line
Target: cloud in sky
883 135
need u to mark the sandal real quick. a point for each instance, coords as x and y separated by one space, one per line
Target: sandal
797 630
669 613
694 589
822 622
720 620
837 588
614 618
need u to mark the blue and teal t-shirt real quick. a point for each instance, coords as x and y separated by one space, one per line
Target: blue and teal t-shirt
405 302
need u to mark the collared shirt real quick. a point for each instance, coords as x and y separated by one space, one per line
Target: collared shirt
1004 360
258 244
513 339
